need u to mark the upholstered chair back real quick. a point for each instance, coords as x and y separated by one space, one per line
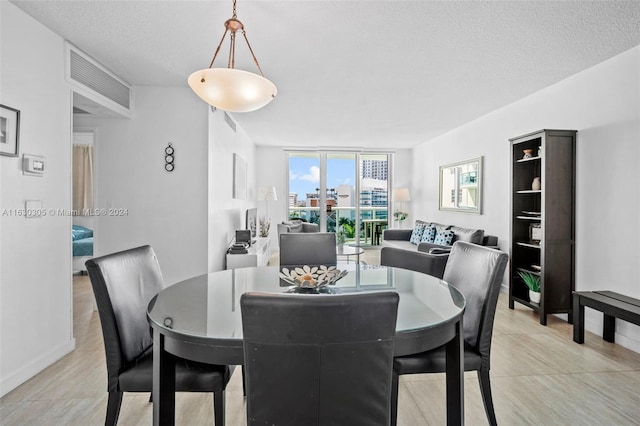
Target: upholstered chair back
318 248
477 272
123 284
318 359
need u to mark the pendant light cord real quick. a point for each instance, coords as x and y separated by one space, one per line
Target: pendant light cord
232 25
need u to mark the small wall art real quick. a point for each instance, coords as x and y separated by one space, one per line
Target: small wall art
169 158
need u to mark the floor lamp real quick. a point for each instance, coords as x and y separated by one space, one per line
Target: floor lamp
400 195
266 193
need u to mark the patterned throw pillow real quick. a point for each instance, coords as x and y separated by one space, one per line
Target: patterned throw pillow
444 238
416 235
429 234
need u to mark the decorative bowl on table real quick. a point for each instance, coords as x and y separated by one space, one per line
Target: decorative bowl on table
312 277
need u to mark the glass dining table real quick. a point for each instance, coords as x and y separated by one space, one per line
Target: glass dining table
199 319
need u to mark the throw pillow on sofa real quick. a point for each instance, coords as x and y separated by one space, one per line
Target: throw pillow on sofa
474 236
418 229
439 227
295 228
429 234
444 238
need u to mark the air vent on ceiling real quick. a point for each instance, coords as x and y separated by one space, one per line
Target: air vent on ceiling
230 121
83 71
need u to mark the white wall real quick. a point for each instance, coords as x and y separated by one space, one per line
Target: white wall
226 214
35 254
166 210
603 105
188 216
273 170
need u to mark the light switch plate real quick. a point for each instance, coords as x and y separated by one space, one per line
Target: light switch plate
33 208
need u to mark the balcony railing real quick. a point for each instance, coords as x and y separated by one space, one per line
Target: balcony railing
338 216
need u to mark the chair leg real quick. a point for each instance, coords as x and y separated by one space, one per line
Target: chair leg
113 408
485 390
394 398
244 383
218 408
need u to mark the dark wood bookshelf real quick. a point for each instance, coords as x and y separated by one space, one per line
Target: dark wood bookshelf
553 161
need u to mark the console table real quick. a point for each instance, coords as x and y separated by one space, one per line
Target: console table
257 255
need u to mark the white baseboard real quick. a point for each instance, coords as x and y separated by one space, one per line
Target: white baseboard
595 326
24 373
627 342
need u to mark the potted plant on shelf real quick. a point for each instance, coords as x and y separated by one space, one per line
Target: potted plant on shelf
533 283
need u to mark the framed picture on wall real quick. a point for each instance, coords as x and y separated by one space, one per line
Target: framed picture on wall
239 177
9 131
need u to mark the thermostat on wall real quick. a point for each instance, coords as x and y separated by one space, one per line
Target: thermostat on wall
33 165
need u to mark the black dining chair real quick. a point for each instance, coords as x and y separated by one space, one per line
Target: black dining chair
317 248
123 284
427 263
318 359
477 272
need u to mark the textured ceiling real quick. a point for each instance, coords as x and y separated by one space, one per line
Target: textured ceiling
370 74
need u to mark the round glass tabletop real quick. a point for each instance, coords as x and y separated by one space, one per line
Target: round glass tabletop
208 306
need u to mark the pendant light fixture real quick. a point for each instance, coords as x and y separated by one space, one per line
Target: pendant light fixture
230 89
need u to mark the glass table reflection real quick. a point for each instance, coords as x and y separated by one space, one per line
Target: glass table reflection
200 319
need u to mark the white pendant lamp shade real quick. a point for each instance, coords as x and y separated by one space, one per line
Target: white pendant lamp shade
231 89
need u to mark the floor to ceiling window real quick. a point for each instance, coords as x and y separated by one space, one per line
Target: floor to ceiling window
304 186
344 192
340 194
373 196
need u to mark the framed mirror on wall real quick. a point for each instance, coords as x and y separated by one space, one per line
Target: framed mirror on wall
461 186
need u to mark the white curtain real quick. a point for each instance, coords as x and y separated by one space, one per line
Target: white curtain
82 177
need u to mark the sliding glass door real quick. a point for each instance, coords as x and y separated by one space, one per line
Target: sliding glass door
341 195
344 192
373 196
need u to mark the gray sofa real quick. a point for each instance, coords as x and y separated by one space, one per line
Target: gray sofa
297 225
429 258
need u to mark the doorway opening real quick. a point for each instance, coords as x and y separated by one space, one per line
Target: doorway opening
83 225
